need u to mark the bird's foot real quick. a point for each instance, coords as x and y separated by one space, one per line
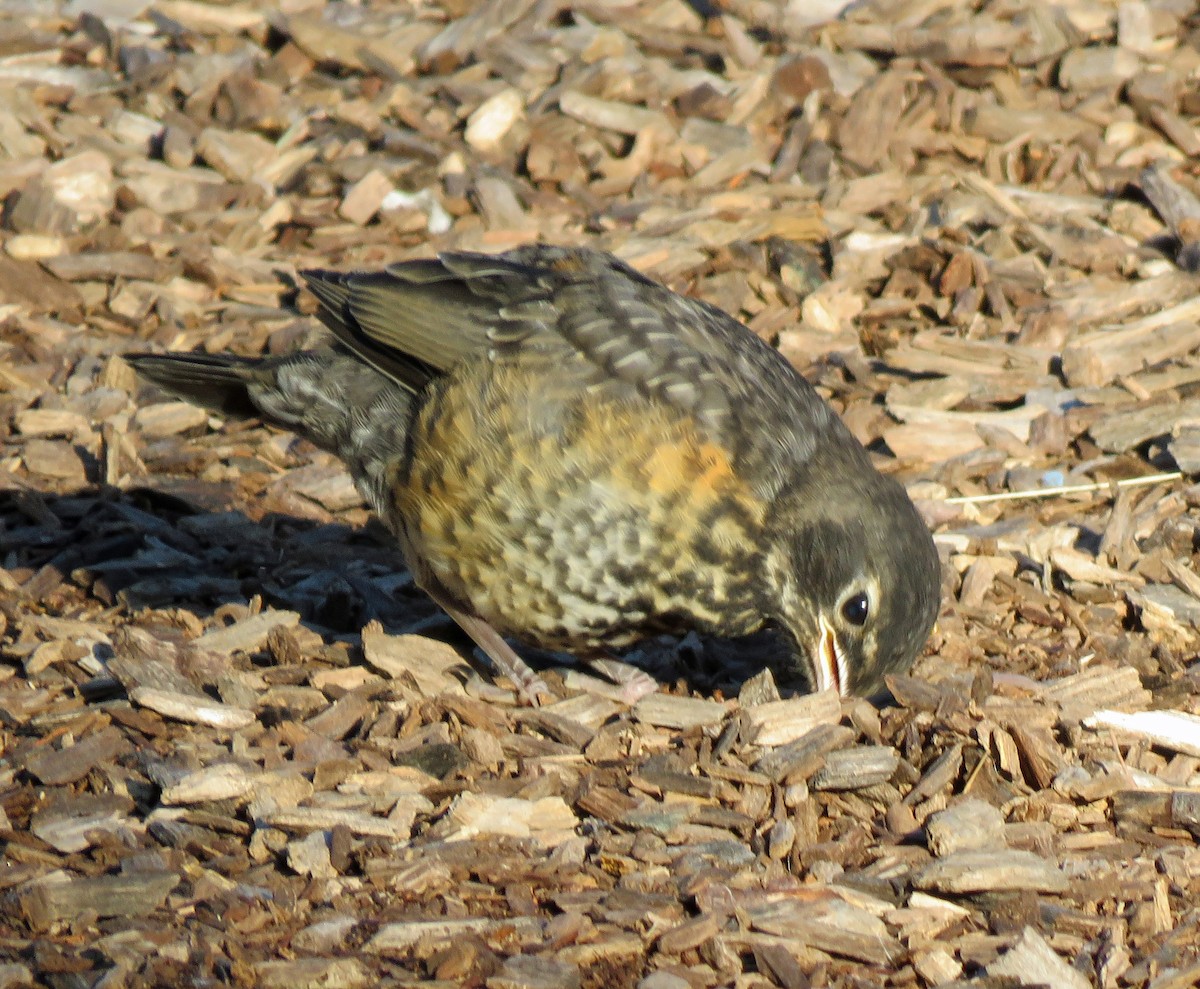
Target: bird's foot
634 683
531 688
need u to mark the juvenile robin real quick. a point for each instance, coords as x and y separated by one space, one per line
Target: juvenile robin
571 455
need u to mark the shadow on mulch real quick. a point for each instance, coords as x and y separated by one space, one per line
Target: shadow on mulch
145 550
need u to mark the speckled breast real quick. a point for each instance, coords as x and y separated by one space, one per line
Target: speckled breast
575 518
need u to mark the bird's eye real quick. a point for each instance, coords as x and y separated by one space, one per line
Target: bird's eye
856 608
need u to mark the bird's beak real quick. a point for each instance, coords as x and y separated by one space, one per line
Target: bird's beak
828 662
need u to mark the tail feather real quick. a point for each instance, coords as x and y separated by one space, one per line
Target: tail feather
330 397
219 382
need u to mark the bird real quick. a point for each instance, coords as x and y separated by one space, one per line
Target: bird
576 458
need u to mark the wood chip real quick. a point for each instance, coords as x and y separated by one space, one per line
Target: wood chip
669 711
1177 731
224 781
433 666
58 897
185 707
401 937
1032 962
991 871
970 825
549 819
249 634
780 722
853 769
55 767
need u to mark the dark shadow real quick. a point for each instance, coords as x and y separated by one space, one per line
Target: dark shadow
144 548
147 548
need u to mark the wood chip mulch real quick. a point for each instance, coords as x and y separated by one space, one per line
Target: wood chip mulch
238 747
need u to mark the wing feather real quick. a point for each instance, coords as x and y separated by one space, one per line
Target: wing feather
600 323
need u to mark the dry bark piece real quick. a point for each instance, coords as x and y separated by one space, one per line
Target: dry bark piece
1177 731
104 266
366 197
1032 962
672 711
397 939
168 419
493 120
802 757
1086 692
1179 209
298 973
53 459
548 819
58 897
468 34
192 709
1167 608
224 781
993 870
36 291
856 768
69 196
536 972
936 966
1157 808
431 665
969 825
239 156
78 824
829 924
71 763
309 819
1097 357
780 722
1185 449
249 634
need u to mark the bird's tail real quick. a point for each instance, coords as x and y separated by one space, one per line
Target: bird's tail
327 396
219 382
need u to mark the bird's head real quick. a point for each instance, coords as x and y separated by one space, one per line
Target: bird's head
857 581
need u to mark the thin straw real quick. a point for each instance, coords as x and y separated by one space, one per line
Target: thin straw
1128 482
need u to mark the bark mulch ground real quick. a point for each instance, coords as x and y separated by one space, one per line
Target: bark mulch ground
237 746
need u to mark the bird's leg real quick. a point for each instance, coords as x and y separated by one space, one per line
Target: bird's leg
529 684
634 683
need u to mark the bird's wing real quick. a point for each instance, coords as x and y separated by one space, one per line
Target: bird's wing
416 319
